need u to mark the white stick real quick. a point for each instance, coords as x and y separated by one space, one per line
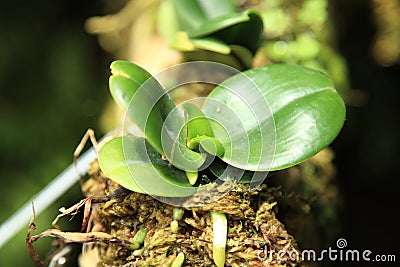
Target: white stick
50 193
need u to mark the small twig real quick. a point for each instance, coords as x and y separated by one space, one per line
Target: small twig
72 211
32 252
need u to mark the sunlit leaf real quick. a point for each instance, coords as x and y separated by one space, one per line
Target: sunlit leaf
191 14
218 20
197 123
274 117
211 44
217 24
133 163
262 119
143 98
244 29
149 106
199 131
167 23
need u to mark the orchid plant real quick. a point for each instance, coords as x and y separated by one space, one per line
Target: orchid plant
260 120
253 122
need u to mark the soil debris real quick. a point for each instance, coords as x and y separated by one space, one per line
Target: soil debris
115 217
253 229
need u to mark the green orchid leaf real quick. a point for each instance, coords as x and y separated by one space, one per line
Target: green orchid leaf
174 144
274 117
259 120
227 172
219 23
191 14
126 75
244 29
143 98
113 165
184 44
134 164
167 23
149 106
192 177
199 131
211 44
247 33
212 146
236 56
214 9
180 156
218 20
242 55
197 123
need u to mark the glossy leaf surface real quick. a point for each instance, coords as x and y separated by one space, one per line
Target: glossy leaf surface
199 131
217 24
218 20
144 100
244 29
191 14
260 120
197 124
133 163
247 33
274 117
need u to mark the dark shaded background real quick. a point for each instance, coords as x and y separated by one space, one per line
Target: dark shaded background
368 148
53 86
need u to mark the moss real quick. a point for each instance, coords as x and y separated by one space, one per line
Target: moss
252 227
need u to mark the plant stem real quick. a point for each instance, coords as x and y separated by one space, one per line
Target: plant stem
220 229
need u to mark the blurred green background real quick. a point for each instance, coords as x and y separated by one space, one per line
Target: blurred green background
53 86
